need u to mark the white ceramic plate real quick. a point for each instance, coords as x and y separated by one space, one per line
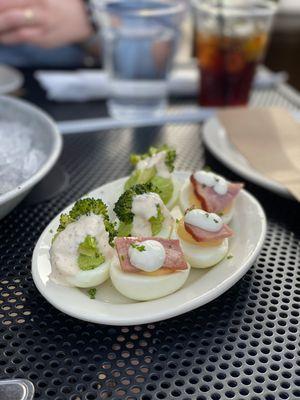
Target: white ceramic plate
10 79
216 140
202 286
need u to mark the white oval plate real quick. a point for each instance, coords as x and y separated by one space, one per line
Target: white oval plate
216 140
202 286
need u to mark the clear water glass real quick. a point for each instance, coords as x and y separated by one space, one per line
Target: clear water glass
140 38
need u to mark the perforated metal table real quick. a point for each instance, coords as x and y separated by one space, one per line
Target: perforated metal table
243 345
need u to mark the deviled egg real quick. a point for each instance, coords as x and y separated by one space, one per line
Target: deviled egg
141 212
156 166
203 237
148 268
81 252
210 192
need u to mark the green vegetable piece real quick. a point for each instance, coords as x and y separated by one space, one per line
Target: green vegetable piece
165 187
87 206
170 156
140 177
138 247
89 256
124 204
157 222
124 229
92 293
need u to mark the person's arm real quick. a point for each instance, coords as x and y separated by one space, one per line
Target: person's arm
45 23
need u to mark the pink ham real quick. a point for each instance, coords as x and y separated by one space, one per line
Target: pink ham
200 235
174 255
212 201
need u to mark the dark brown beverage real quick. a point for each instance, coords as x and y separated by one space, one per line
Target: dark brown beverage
227 66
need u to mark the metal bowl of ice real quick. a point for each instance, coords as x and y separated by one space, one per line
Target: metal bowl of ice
29 147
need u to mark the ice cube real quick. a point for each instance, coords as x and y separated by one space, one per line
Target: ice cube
19 156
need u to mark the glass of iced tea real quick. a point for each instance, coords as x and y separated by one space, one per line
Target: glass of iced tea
231 38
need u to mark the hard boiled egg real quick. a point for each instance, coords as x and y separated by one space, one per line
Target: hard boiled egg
64 253
187 199
143 286
200 254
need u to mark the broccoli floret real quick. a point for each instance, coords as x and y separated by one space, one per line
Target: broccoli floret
88 206
124 204
170 156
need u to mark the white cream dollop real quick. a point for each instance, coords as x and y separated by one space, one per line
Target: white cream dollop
151 258
219 184
158 161
210 222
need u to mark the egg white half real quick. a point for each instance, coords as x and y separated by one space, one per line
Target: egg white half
184 202
91 278
141 287
203 257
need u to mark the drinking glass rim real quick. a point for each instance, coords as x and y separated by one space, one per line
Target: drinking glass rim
172 9
260 8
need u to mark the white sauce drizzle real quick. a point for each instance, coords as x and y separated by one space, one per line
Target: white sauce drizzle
151 258
219 184
157 161
64 250
144 206
210 222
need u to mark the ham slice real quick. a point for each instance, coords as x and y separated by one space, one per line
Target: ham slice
200 235
212 201
174 256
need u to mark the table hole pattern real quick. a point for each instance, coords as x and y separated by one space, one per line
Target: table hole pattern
243 345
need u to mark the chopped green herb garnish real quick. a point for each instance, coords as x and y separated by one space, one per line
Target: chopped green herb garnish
220 214
92 293
177 220
207 215
216 221
122 257
51 231
193 207
138 247
229 256
217 179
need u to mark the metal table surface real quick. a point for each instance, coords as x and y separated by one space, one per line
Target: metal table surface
243 345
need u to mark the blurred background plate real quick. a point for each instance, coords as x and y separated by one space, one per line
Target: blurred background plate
10 79
30 146
216 140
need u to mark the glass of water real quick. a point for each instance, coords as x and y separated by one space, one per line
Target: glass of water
140 38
